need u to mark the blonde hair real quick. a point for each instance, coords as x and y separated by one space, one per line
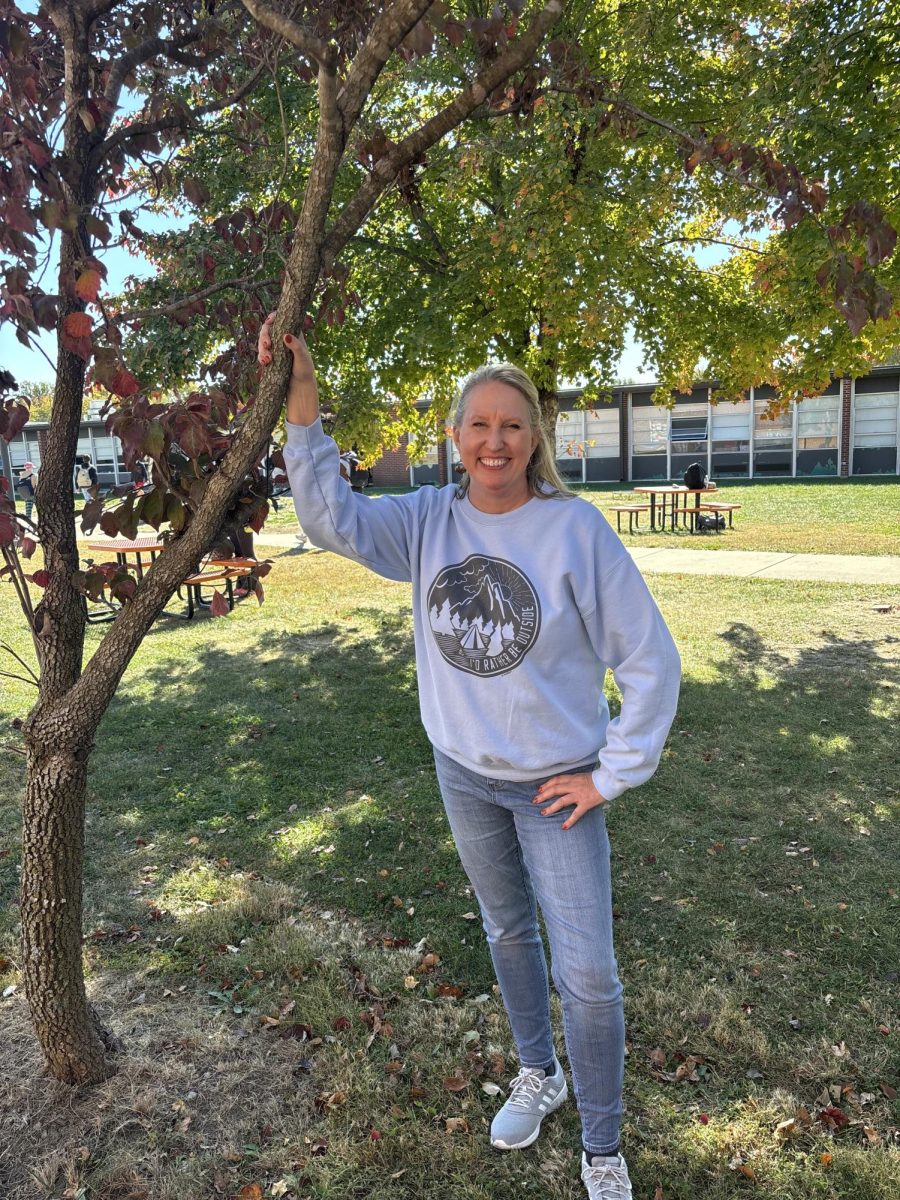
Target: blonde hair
544 480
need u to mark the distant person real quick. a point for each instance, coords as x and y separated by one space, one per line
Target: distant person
523 597
140 476
86 478
25 486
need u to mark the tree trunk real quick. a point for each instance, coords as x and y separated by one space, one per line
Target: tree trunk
548 397
52 859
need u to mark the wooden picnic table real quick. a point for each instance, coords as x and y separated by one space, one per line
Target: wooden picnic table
122 547
669 495
213 570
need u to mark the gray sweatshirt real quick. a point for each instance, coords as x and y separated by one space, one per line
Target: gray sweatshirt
517 617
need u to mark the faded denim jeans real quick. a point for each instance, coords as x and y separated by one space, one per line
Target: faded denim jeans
516 860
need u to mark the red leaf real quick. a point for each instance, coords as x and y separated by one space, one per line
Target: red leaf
219 606
78 325
28 547
124 384
88 285
40 578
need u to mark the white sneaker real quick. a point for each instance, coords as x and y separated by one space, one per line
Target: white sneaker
607 1178
532 1096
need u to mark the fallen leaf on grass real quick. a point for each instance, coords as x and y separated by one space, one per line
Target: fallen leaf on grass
470 916
491 1089
890 1093
658 1058
250 1191
825 1159
658 1194
327 1100
457 1125
410 982
448 989
455 1083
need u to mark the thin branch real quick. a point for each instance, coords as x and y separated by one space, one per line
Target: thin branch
306 42
13 749
179 120
20 678
21 661
246 284
431 267
710 241
411 147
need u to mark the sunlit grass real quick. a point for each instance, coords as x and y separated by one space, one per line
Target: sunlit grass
266 850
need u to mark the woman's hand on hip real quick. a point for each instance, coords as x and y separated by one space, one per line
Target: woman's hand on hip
569 791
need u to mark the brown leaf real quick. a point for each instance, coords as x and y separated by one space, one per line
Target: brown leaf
455 1083
889 1092
457 1125
658 1058
250 1191
448 989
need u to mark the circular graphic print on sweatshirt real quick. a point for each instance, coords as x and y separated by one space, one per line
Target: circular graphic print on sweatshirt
484 614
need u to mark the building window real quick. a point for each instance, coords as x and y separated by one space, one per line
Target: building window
817 423
650 430
603 433
772 431
875 420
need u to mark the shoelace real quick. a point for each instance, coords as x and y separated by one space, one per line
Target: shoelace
527 1081
607 1173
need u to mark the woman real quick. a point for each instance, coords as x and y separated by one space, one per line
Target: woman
522 596
25 485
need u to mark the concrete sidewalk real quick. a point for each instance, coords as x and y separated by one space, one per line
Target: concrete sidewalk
749 564
758 564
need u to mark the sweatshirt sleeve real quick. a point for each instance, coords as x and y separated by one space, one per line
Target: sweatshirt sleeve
629 634
374 532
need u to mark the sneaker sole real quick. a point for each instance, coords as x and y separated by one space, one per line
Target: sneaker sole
560 1099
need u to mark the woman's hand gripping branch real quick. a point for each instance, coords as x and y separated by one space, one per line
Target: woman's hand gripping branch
303 393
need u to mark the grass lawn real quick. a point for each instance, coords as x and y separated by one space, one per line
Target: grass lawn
277 924
812 516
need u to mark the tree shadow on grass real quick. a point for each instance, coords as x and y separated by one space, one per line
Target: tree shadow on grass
304 759
751 874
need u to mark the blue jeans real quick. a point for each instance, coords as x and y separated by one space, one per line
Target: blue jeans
516 860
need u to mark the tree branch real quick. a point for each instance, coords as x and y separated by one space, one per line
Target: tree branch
306 42
149 48
176 120
388 31
430 267
412 146
21 678
165 310
21 661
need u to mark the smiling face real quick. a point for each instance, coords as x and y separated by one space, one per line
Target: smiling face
495 443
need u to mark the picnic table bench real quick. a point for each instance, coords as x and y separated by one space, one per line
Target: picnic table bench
633 510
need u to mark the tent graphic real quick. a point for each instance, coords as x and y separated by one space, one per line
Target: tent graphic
473 641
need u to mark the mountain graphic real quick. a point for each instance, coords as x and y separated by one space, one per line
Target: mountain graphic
487 603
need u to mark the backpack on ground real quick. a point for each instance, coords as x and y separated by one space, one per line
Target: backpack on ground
695 476
710 522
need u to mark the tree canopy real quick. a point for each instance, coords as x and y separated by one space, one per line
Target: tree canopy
571 210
